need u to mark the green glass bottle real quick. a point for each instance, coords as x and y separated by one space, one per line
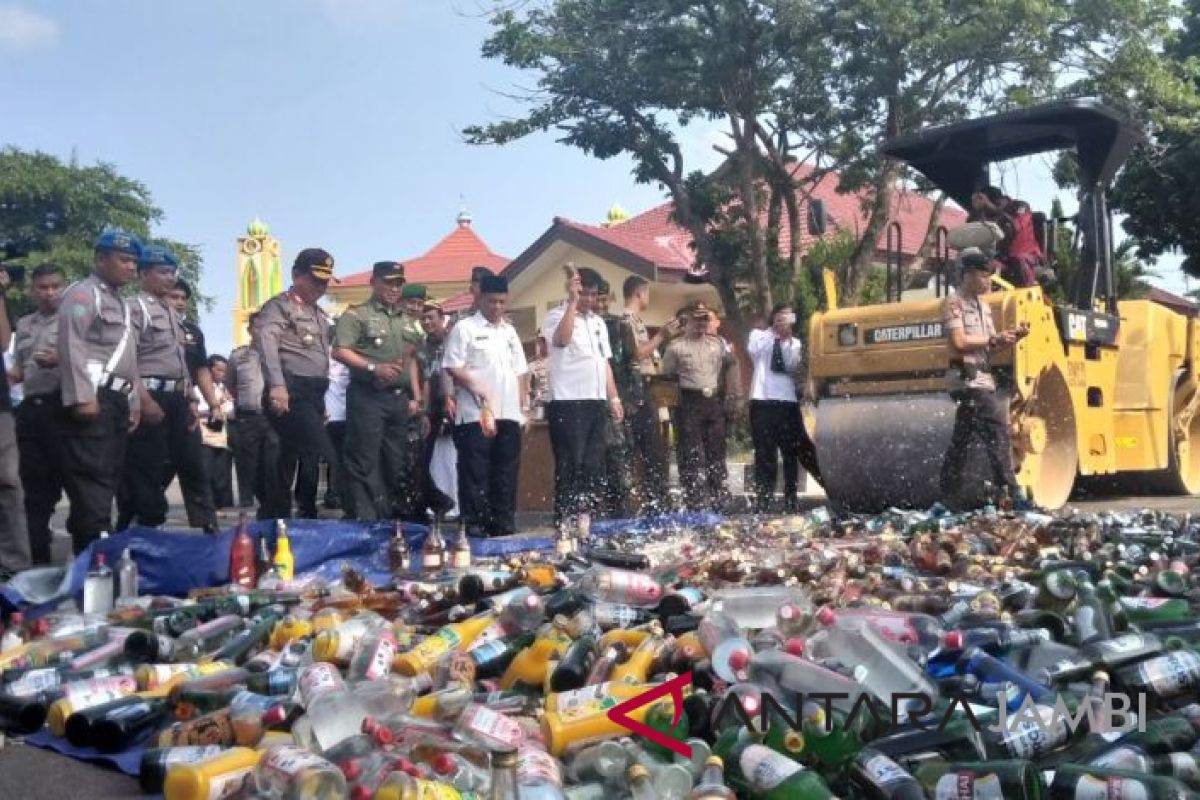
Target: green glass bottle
729 747
1076 782
1155 609
830 743
772 776
1056 591
1136 749
981 780
661 717
1162 677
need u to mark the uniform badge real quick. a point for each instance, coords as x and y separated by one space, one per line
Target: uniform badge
189 338
379 341
307 338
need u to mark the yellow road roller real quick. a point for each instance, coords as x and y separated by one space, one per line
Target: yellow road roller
1100 387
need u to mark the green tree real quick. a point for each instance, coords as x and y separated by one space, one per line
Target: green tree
58 209
1159 187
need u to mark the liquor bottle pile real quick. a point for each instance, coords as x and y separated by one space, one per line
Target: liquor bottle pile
900 656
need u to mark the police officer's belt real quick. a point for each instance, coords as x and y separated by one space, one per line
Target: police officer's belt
163 384
116 383
969 370
705 393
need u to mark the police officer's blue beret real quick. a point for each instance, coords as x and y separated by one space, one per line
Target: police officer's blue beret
120 241
155 255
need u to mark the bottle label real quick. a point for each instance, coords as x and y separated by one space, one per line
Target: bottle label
537 766
380 664
614 614
128 712
80 694
288 760
576 697
882 771
488 650
228 783
318 679
250 701
1172 674
598 705
33 682
765 769
1091 787
968 786
1144 603
1184 766
493 726
190 755
431 647
1025 739
1120 645
632 588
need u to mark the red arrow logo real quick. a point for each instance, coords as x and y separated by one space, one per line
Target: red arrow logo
674 687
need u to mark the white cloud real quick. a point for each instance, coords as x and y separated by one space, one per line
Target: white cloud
22 30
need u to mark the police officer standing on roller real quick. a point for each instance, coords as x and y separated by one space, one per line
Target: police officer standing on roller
293 347
97 357
708 391
38 436
377 342
982 413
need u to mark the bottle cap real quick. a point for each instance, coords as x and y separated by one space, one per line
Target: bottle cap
794 646
714 761
739 659
826 615
370 725
443 764
351 768
637 772
360 792
953 640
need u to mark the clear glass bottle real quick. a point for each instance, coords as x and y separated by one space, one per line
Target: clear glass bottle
98 588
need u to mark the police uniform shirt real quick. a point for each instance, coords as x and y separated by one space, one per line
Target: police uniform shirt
159 338
380 334
245 376
765 383
578 371
638 336
37 333
495 358
974 317
92 322
697 361
292 339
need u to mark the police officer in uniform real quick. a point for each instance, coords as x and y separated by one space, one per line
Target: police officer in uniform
97 356
293 347
193 480
708 391
376 340
982 413
38 435
256 448
163 391
411 478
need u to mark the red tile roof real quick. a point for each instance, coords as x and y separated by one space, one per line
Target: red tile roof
449 260
459 302
652 236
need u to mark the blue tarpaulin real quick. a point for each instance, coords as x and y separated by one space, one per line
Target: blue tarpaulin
175 562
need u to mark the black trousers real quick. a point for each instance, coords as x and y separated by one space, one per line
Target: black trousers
218 462
303 441
375 450
982 416
775 429
256 453
701 446
617 475
155 455
245 482
93 455
334 473
487 477
577 437
645 452
39 440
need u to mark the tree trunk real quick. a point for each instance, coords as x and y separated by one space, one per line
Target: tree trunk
863 258
931 234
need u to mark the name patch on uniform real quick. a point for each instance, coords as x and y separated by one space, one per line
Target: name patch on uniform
916 332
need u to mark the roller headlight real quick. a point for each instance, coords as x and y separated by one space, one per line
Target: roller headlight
848 335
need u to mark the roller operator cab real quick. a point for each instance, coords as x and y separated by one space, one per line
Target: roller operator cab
1100 387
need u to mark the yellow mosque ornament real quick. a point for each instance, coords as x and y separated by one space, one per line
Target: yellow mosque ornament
259 275
616 215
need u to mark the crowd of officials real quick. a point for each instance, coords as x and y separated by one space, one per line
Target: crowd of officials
411 413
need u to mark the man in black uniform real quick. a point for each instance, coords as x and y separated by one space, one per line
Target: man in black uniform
98 366
377 342
256 449
195 355
164 394
293 347
36 367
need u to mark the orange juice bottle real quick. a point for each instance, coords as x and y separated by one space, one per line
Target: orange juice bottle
585 723
424 657
564 701
637 667
532 664
216 777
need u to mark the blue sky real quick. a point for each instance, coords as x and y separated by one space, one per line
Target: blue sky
335 121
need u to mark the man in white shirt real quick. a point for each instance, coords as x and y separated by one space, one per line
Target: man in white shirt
582 394
775 423
485 358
